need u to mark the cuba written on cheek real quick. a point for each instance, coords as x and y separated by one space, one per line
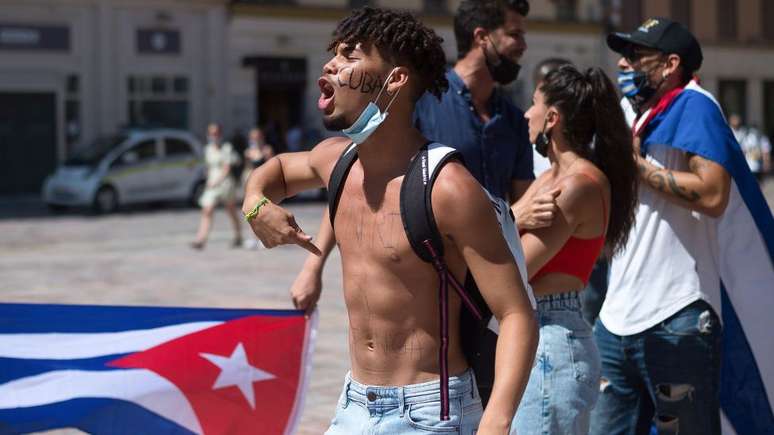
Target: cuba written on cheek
356 79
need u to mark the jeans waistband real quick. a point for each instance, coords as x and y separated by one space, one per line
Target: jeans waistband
385 396
559 301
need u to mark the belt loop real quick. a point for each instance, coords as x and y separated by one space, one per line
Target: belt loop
346 392
402 400
473 389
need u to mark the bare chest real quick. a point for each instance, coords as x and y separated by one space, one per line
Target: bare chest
371 228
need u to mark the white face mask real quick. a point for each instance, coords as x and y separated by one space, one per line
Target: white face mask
370 118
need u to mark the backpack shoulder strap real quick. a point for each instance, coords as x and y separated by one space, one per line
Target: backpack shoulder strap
338 176
416 208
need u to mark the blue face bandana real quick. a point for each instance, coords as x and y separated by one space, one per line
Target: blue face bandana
629 82
370 118
635 86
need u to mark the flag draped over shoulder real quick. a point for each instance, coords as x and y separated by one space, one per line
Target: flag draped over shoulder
694 123
132 370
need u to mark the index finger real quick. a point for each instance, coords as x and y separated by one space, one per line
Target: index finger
305 242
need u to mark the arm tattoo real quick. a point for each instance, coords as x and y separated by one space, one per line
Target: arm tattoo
664 181
682 192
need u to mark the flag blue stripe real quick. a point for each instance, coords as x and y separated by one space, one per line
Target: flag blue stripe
742 393
94 416
41 318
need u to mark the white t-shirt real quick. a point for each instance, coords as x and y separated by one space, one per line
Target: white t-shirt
540 164
668 261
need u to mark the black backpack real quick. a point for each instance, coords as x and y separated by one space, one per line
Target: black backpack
478 328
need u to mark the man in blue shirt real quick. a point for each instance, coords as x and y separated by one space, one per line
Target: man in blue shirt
473 116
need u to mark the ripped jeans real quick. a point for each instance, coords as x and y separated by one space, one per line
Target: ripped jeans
667 376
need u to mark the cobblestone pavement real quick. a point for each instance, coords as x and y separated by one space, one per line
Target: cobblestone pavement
141 257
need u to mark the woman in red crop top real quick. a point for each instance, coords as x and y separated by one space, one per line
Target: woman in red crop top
576 121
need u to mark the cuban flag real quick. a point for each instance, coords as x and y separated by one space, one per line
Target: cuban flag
745 256
152 370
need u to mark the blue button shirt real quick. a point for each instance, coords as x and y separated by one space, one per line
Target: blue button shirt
496 152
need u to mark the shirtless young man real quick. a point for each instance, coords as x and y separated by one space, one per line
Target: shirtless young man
390 293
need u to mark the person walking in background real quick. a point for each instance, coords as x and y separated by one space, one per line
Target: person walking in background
755 145
221 186
257 153
294 138
576 122
702 227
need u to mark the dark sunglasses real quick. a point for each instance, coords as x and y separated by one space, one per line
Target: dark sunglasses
633 53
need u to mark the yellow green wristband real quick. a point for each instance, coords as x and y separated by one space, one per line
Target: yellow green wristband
252 214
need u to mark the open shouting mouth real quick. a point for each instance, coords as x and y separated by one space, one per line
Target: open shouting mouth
325 103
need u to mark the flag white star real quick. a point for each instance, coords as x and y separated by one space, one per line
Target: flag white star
236 371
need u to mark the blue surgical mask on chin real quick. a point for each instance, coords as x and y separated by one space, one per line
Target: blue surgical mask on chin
370 118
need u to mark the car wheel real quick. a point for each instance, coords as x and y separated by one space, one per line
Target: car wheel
196 193
106 200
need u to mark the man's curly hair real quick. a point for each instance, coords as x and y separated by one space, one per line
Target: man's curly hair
402 40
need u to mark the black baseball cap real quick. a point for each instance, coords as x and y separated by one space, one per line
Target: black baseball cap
663 35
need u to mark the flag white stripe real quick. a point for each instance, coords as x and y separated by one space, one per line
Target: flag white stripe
139 386
60 346
749 282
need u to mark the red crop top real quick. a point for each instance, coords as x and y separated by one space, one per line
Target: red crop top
577 256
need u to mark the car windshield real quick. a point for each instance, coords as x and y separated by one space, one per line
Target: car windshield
94 152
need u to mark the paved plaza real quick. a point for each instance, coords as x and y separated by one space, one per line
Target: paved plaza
141 257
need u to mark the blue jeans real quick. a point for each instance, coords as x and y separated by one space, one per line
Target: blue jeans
593 295
667 376
564 382
411 409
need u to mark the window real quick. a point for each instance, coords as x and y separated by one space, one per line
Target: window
681 12
143 151
767 17
727 20
72 110
174 147
158 101
768 107
180 85
732 94
566 10
631 15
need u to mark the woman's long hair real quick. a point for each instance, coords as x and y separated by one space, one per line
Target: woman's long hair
595 126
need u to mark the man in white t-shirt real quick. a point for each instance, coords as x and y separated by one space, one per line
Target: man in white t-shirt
658 332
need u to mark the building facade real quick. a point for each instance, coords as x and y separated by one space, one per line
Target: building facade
75 70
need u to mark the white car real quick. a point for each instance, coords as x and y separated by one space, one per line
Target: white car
138 166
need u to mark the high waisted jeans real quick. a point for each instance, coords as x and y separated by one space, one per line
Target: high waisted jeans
564 382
